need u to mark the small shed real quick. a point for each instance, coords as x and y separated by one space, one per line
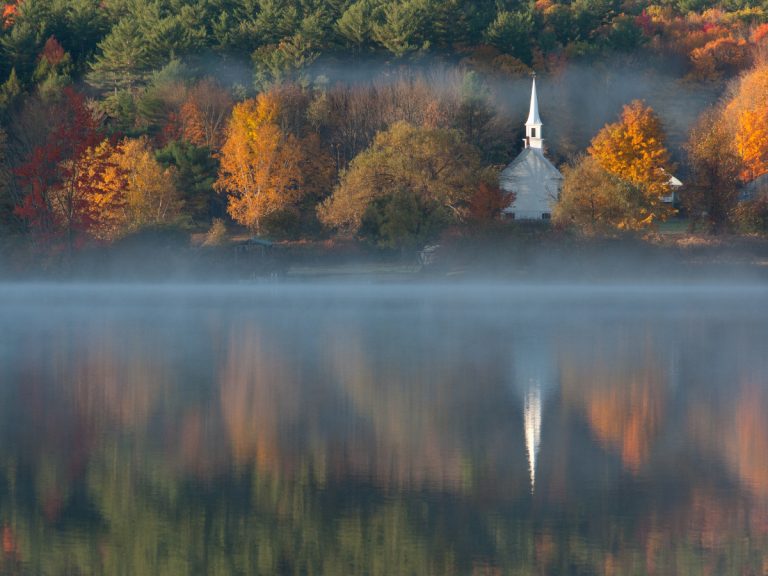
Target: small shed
259 257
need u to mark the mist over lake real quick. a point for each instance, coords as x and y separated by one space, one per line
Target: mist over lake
384 428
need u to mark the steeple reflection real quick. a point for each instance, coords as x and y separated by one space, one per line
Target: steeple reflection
532 420
534 376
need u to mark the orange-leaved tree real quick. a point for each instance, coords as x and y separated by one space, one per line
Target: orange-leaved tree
746 114
260 164
719 57
107 198
633 150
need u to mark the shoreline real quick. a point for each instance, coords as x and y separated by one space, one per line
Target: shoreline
510 256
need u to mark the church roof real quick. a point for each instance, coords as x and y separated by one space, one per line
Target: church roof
529 162
533 113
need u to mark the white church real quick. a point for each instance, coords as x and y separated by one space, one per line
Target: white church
534 180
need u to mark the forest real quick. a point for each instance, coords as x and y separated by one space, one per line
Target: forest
381 121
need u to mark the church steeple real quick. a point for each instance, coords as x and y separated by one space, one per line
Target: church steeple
533 125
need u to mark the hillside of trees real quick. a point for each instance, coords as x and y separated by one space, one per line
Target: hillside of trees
381 120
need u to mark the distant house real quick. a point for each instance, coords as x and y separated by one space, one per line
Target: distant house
755 189
531 177
673 197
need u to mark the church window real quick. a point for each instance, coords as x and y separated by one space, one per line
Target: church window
546 216
533 132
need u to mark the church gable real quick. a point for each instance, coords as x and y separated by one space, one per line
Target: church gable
531 162
531 177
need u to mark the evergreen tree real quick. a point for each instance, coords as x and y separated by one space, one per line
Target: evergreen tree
10 96
355 24
195 175
511 33
397 27
124 59
33 24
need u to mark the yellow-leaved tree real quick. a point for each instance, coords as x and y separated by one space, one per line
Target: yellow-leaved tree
406 187
595 201
633 150
260 164
151 195
134 190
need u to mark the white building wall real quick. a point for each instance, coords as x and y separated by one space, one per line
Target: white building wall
533 198
535 183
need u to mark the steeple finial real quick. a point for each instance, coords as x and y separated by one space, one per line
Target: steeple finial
533 124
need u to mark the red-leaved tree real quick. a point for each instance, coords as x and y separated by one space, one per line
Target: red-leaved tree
61 185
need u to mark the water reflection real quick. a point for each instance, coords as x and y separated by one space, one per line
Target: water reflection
383 431
534 375
532 418
621 384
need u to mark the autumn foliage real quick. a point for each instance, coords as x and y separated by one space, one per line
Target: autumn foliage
53 52
434 170
63 176
81 186
712 191
204 114
595 201
260 164
487 202
10 10
135 190
715 43
746 113
719 57
633 149
316 152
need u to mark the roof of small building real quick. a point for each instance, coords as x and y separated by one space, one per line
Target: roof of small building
754 188
674 182
530 161
257 241
758 184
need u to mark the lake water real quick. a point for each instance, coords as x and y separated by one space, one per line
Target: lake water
384 429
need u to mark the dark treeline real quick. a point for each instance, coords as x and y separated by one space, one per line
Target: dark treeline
118 43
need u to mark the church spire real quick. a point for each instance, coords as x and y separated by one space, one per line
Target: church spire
533 124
